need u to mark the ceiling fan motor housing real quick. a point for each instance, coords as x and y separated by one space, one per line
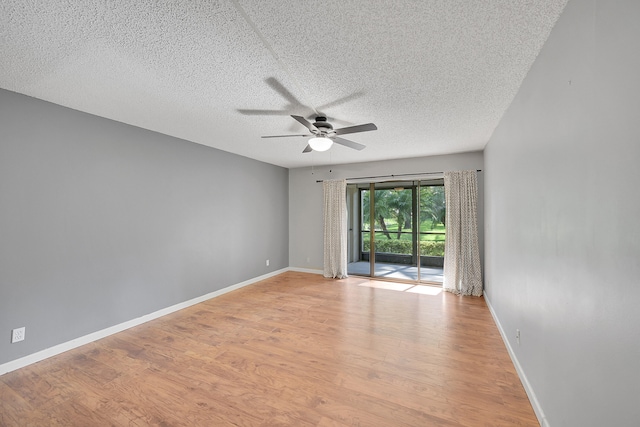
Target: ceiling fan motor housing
323 125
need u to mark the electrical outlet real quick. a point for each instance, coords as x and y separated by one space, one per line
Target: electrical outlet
518 336
267 263
17 335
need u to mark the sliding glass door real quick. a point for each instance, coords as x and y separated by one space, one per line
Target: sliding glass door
393 230
396 230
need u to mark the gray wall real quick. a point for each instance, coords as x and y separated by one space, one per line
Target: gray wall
102 222
563 218
305 195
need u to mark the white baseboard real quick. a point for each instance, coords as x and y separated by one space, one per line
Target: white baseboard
305 270
94 336
523 378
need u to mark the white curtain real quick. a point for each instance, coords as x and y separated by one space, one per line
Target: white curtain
462 270
335 228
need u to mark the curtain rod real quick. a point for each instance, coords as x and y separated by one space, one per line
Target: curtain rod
396 176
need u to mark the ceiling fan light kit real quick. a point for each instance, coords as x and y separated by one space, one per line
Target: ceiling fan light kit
323 135
320 143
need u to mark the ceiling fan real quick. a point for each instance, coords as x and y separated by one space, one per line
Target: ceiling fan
324 135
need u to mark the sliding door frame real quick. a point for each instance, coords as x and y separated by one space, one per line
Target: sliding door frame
416 259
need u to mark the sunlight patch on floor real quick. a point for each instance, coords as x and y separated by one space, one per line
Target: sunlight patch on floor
400 287
403 287
425 290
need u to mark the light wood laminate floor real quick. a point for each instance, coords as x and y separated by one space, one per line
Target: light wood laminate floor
294 350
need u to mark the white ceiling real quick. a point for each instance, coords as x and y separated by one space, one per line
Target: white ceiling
435 76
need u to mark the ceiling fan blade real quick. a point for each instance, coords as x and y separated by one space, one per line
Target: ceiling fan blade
294 103
341 101
283 136
348 143
304 122
354 129
278 87
307 149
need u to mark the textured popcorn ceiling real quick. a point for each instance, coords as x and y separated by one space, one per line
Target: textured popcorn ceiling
434 76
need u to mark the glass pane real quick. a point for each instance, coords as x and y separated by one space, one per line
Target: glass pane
366 241
365 206
394 234
432 232
358 242
394 221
